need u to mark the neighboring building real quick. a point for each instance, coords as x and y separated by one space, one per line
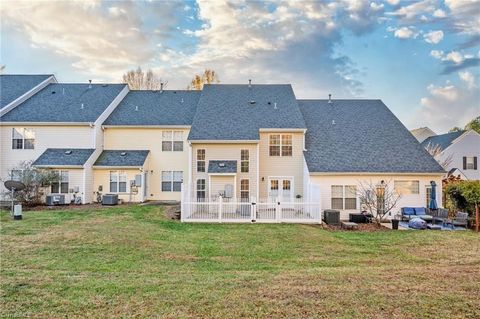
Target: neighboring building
422 133
246 142
460 150
59 116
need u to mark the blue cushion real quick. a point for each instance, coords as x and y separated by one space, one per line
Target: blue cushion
420 211
408 211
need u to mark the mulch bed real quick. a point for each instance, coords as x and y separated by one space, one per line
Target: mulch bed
372 227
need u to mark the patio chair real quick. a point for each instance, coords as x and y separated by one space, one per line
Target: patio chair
440 215
461 219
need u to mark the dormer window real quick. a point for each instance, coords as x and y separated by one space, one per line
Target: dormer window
280 145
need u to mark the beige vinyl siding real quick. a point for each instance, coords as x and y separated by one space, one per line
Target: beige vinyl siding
151 139
101 177
45 137
217 184
226 152
75 179
411 200
280 166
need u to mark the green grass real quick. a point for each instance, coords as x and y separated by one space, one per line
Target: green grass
133 262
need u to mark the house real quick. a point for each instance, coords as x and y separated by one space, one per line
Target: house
234 143
59 127
422 133
459 151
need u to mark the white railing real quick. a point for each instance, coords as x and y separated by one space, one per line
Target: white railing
262 211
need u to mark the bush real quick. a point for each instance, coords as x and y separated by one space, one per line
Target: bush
462 196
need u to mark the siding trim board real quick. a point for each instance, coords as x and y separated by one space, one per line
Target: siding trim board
47 123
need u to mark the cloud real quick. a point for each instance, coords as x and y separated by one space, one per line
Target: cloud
405 33
413 10
433 37
102 40
464 16
455 61
468 78
439 13
448 106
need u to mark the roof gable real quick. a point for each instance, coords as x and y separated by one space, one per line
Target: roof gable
237 112
443 141
66 103
360 136
13 86
155 108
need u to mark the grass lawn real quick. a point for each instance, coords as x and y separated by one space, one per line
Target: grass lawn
133 262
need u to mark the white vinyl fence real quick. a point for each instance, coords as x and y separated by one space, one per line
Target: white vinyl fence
218 210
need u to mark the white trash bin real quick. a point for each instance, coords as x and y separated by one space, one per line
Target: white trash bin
17 212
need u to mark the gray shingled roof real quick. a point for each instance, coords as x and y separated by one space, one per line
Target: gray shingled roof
220 167
155 108
224 112
63 103
63 157
12 86
443 140
122 158
366 137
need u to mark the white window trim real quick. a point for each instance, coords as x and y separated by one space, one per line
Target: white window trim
281 144
173 140
247 161
292 184
204 160
249 188
472 163
23 138
196 187
344 187
118 182
407 180
59 181
172 181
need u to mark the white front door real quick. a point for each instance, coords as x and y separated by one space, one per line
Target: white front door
281 188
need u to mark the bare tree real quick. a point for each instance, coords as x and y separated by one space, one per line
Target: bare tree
139 80
35 180
379 199
208 77
435 150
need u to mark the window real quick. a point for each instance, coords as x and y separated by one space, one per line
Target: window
172 141
245 189
337 197
61 185
172 181
118 182
350 197
201 189
280 145
200 161
23 138
244 161
344 197
470 162
407 187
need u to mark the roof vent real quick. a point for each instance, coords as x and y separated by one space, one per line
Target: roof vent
136 107
222 164
161 87
89 84
329 99
181 100
275 105
63 91
123 154
69 152
250 83
252 102
81 106
333 122
104 85
53 92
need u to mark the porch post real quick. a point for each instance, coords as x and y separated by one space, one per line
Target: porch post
253 209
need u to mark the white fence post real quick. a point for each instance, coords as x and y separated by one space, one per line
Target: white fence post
253 209
220 204
182 202
278 215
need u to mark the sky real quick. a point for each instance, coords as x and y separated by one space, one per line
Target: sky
421 58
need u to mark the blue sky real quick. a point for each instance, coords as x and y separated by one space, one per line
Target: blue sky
421 58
